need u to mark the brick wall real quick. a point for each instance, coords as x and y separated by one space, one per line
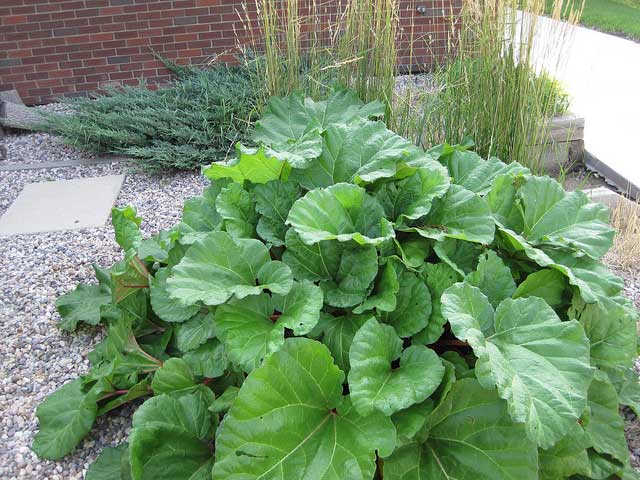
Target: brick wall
54 48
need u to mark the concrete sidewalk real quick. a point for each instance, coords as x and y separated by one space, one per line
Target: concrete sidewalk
602 74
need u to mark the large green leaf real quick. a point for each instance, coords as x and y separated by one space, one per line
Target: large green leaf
128 277
174 375
413 250
547 284
567 457
473 439
413 423
291 422
300 152
539 363
413 306
342 106
474 173
345 272
593 279
199 214
65 417
385 289
237 208
554 217
217 267
126 226
337 335
340 212
493 278
250 329
82 305
121 347
459 214
467 308
611 329
171 438
439 277
350 283
273 202
194 332
167 308
460 255
627 384
282 120
375 385
111 464
208 360
604 425
316 262
255 165
286 119
412 197
157 247
358 152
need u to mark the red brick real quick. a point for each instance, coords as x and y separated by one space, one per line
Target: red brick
126 35
22 10
48 7
138 42
76 22
71 64
52 82
62 89
111 27
97 78
78 39
13 77
185 37
102 37
136 9
72 6
120 75
14 19
163 22
39 91
94 62
190 52
21 53
60 73
111 11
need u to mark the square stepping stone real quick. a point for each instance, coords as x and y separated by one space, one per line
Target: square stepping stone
62 205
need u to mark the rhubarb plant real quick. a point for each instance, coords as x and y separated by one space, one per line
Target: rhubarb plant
340 303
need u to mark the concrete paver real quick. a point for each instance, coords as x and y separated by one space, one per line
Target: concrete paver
62 205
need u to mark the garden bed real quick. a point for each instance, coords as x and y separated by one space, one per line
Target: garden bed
38 358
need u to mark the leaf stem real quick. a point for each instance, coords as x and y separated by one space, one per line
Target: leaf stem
454 343
113 394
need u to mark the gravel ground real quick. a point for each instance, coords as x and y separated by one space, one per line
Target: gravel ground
40 147
35 357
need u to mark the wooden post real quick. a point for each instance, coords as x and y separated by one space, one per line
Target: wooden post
13 115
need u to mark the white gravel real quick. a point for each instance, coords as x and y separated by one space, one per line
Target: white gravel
40 147
35 357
